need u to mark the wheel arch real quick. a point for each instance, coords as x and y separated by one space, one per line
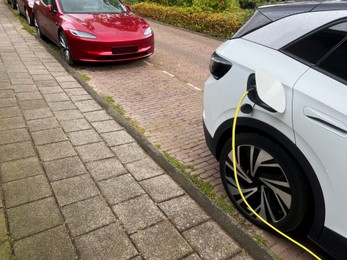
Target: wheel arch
251 125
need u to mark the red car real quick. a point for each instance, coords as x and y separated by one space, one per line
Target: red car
25 7
93 30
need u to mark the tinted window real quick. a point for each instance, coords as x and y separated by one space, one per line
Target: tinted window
93 6
336 62
315 46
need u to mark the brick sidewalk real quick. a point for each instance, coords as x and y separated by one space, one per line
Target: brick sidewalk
74 183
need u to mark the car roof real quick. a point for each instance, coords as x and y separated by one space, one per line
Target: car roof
281 10
281 24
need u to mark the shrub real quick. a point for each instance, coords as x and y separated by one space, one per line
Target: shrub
221 25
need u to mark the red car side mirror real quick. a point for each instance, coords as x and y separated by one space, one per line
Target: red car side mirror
50 8
128 7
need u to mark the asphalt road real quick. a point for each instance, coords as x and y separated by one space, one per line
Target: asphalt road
163 94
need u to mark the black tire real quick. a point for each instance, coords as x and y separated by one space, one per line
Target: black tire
29 20
271 180
65 48
13 4
38 29
18 10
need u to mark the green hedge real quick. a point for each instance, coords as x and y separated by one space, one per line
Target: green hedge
221 25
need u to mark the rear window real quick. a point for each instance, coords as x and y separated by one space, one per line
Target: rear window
315 46
255 22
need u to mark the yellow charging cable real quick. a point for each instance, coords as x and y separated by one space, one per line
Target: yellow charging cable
239 188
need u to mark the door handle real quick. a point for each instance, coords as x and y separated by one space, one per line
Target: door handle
326 120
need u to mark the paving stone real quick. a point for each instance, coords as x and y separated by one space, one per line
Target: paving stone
97 116
192 257
25 88
161 188
46 83
42 124
14 136
37 113
74 189
138 213
106 126
6 93
64 168
68 115
8 102
161 241
70 84
93 152
29 96
33 104
4 235
5 250
75 125
104 169
109 242
9 112
120 189
183 212
11 123
144 169
64 105
117 138
88 106
51 244
56 97
76 91
31 189
84 137
20 169
66 78
81 98
51 90
49 136
22 81
15 151
129 152
54 151
87 215
34 217
210 241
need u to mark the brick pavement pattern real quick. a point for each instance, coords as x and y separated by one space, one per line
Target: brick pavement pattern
74 184
164 95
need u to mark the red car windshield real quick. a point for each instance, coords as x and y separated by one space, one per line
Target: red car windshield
92 6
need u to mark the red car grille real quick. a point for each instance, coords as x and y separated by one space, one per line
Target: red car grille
124 56
126 49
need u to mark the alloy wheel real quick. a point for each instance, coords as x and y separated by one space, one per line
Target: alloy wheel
65 49
263 183
28 17
271 181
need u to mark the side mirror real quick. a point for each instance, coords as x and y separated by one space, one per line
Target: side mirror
50 8
128 7
270 90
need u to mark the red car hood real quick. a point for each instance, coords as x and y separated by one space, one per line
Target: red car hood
109 26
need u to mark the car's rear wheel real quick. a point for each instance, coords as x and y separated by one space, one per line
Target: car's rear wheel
271 181
65 48
30 21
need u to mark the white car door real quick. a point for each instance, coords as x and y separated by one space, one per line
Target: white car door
320 125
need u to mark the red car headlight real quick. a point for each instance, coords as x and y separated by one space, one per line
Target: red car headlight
148 31
82 34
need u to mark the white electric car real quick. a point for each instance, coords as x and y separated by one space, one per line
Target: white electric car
291 134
